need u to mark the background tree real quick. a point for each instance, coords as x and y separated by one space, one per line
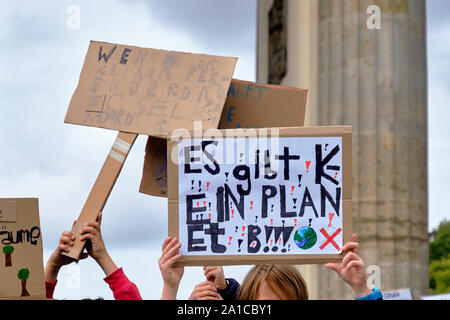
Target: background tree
439 269
440 241
23 276
8 250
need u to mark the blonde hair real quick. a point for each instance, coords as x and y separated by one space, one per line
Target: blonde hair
280 278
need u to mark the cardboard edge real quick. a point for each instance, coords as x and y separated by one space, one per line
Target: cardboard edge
172 190
272 86
230 260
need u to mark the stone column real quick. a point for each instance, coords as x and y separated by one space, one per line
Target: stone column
376 81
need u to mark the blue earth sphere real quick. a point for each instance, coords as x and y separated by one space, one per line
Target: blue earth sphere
305 237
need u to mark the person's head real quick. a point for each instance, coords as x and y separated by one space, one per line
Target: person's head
273 282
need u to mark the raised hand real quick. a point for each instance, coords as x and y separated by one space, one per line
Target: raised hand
352 269
57 259
171 275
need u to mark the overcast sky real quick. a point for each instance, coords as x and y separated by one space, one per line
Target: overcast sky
43 157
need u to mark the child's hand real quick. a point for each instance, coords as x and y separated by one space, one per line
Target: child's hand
352 269
170 274
205 290
216 276
57 259
96 247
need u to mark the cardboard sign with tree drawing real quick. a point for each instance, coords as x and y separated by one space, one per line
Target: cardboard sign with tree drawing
22 270
241 197
248 105
139 90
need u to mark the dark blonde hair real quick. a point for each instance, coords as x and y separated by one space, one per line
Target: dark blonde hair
283 279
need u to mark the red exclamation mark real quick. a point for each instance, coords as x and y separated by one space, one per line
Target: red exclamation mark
243 230
295 221
292 190
232 213
335 175
330 216
207 185
307 165
271 242
251 205
271 221
230 240
209 214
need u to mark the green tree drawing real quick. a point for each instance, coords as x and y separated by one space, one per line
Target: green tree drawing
23 276
8 250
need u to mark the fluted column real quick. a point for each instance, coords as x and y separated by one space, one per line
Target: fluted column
375 80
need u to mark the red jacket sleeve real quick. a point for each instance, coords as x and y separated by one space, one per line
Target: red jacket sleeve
122 287
50 289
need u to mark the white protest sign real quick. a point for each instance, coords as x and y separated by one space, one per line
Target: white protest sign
255 197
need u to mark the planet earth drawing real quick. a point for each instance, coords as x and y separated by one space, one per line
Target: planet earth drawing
305 237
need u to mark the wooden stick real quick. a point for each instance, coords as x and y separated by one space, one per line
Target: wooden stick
102 188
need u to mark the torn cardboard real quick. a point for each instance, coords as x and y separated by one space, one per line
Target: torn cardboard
248 105
149 91
21 262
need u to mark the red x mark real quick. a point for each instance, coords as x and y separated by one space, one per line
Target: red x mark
330 239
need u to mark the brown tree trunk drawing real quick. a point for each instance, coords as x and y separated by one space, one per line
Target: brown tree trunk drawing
8 261
24 289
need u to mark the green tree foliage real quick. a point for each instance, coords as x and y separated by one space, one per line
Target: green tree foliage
440 244
23 274
439 269
8 249
440 276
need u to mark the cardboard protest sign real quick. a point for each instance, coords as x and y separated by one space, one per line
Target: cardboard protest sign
248 105
154 172
21 269
243 197
138 90
149 91
257 105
